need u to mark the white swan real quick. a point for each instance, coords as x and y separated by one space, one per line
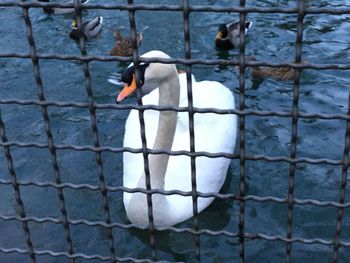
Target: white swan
170 130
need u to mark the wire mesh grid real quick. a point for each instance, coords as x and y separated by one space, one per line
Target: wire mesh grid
242 112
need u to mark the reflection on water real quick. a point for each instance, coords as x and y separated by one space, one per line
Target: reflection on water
271 38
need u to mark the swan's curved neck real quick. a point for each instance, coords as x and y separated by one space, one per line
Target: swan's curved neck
169 95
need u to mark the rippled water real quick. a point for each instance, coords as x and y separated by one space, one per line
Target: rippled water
326 40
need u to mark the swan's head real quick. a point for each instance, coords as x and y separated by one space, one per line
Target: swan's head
155 72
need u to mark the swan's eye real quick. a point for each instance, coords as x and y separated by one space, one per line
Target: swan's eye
128 74
143 67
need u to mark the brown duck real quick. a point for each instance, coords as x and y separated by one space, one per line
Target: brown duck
279 73
275 73
123 45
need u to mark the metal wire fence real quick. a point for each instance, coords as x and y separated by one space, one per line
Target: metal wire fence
242 112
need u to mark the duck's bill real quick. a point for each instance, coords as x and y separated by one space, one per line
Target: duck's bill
127 90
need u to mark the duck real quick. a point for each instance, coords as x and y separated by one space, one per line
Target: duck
169 130
123 45
89 29
277 73
228 35
60 10
274 73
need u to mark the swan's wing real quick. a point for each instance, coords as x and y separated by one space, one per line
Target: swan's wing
214 133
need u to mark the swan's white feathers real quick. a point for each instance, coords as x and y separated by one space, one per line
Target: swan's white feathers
213 133
155 54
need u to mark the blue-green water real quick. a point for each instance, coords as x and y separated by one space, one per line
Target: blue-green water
272 37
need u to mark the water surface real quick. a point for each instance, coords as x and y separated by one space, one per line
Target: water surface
272 37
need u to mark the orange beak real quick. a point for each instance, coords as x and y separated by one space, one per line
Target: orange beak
127 90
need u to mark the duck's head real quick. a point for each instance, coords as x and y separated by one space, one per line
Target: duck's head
222 32
117 35
155 72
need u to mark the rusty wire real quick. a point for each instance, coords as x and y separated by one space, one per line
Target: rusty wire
145 151
95 134
186 8
242 160
294 133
